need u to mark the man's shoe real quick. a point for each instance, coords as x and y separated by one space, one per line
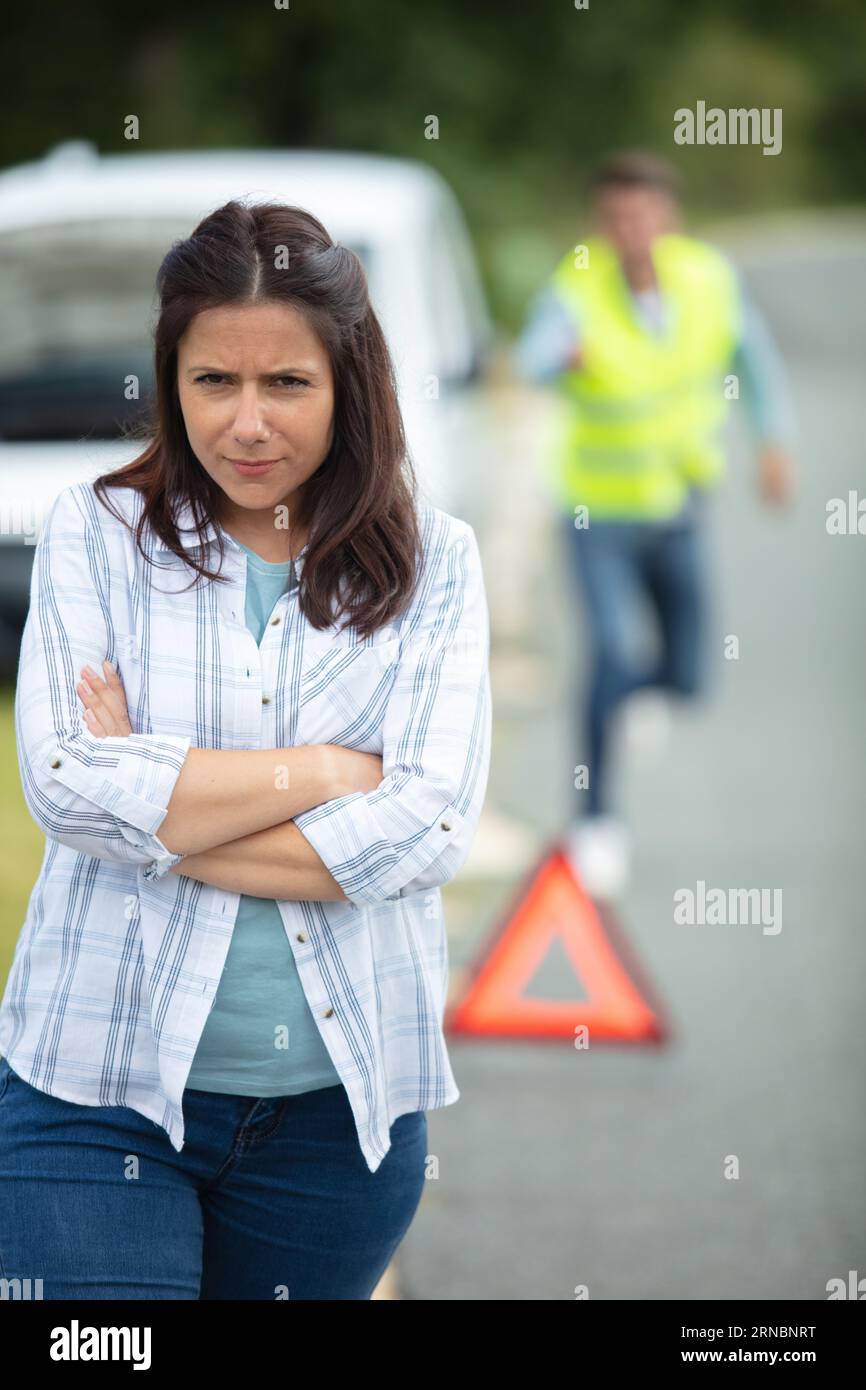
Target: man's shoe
598 850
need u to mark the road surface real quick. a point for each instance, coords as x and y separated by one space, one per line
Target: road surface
607 1168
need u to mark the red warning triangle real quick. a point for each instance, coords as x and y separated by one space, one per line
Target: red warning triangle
555 912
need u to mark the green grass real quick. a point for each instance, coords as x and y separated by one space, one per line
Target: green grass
21 842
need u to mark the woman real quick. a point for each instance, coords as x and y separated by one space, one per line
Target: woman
220 1040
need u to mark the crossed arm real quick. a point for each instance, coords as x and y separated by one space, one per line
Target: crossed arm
230 811
310 823
275 863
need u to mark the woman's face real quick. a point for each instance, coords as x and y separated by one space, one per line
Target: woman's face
255 385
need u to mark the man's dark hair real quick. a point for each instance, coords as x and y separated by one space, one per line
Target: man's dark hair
635 169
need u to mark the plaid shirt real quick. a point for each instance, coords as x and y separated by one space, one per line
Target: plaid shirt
118 961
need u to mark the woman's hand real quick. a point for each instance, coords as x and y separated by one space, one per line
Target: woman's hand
105 712
106 715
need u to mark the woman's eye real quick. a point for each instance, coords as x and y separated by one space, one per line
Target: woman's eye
215 379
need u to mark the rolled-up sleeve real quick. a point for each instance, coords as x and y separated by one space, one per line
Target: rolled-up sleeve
104 797
415 830
542 351
766 389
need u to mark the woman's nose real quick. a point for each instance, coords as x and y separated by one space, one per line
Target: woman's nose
250 416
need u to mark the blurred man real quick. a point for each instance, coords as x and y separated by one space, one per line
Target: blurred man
648 334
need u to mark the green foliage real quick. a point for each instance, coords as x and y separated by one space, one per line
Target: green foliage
527 96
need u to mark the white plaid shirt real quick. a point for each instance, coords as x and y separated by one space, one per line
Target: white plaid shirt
118 961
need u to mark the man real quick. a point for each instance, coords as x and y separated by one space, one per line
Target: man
647 333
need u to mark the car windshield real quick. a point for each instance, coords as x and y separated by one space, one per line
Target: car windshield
78 304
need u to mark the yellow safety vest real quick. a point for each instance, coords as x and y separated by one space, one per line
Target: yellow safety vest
644 413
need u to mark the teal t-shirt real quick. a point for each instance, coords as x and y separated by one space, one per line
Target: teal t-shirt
260 1038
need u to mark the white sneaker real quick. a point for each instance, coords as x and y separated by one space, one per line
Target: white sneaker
598 850
646 724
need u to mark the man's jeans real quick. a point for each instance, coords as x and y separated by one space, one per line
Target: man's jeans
620 566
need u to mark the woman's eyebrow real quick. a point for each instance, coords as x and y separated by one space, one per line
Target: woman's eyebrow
282 371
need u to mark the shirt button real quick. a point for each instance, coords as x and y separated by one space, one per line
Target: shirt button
445 825
327 1013
301 936
55 762
266 699
274 622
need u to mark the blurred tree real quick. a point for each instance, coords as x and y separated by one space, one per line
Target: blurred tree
527 97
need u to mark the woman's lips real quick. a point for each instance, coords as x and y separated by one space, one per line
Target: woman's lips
253 470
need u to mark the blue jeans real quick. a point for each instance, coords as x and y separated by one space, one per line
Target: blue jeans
620 566
269 1198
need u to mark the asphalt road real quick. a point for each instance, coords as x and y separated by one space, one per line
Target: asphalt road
607 1168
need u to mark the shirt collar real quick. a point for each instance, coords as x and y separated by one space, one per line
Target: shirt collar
189 537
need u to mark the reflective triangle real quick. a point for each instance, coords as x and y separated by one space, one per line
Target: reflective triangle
554 919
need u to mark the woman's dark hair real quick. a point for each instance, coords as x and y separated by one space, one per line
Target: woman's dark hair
359 507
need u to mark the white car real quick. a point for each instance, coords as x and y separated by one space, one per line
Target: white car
81 238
